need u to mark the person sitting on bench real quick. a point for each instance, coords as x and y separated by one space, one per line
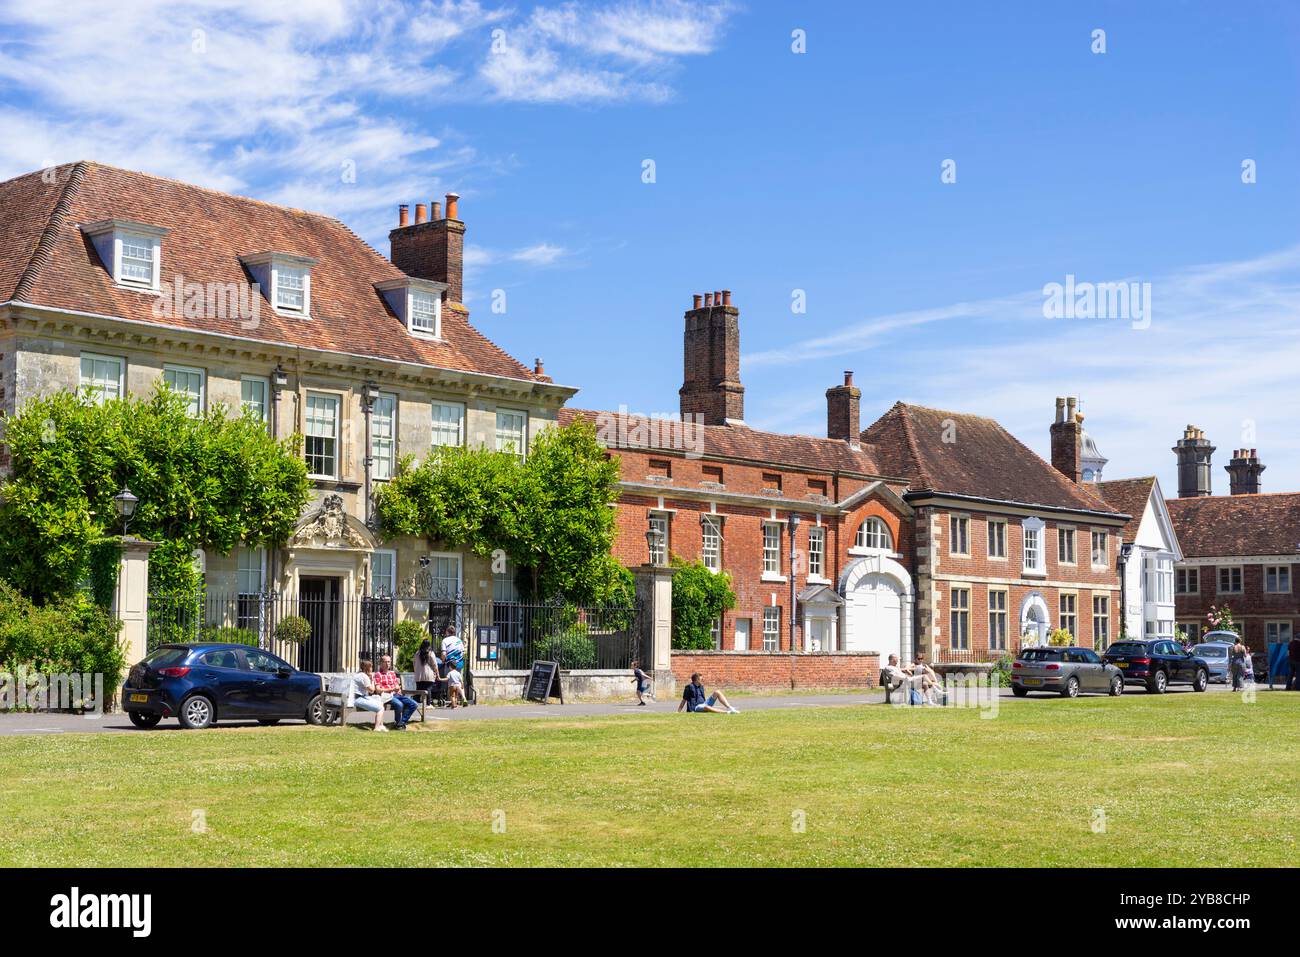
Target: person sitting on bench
892 677
389 682
924 678
366 696
694 701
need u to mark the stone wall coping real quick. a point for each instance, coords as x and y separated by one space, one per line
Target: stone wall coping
703 652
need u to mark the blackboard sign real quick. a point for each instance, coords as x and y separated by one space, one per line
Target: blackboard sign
544 682
485 644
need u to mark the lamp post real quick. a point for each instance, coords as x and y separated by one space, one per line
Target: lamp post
124 502
794 611
653 539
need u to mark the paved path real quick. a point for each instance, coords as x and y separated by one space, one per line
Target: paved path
24 723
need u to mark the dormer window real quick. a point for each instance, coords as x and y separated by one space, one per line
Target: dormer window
417 303
285 279
131 251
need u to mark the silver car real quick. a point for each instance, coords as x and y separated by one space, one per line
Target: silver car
1215 654
1067 671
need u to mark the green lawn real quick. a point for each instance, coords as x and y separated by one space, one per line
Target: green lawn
1181 779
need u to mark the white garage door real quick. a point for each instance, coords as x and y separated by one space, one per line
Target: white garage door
875 617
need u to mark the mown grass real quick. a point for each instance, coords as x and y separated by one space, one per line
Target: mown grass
1183 780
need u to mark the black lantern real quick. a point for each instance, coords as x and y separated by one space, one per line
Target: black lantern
124 502
279 378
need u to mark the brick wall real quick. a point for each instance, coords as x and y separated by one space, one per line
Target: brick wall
759 670
1252 607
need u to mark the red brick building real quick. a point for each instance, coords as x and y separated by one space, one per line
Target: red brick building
929 529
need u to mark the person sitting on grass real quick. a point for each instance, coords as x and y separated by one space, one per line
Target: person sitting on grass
366 696
389 682
642 682
694 700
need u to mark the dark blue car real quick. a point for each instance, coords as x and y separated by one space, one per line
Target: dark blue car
205 682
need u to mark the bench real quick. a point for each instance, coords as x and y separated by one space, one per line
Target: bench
337 692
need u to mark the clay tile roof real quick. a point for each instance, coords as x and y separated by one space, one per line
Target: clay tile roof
1129 496
46 260
1214 525
982 460
742 442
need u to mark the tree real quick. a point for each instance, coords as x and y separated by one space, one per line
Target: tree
211 482
550 514
700 597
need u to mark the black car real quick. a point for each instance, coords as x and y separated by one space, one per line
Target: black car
202 683
1157 664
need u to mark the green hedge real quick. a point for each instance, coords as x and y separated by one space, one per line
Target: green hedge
67 636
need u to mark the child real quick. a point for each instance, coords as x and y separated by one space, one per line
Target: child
642 683
455 687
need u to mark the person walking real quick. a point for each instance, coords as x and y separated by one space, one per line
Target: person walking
1293 659
1237 662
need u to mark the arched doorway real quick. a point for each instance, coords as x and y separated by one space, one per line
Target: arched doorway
877 594
1035 622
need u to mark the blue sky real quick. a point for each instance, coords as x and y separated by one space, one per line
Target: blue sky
774 172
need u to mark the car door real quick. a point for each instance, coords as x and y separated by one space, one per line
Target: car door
272 694
223 671
1171 657
1089 666
1097 669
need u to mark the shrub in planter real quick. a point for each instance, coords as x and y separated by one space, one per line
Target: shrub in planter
293 630
1000 676
573 648
407 636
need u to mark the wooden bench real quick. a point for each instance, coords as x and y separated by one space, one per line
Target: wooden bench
337 693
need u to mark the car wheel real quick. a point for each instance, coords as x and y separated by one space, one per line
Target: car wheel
197 713
1071 689
267 722
144 719
317 713
1116 686
1158 683
1202 680
1018 691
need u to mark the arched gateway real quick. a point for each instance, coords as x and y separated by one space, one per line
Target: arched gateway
877 594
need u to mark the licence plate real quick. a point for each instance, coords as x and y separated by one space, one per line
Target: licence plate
139 697
1031 681
1121 664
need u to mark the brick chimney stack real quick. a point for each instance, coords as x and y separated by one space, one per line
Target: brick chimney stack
1193 451
711 352
433 248
1067 439
1244 471
843 420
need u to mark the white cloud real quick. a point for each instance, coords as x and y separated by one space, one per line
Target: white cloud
1223 347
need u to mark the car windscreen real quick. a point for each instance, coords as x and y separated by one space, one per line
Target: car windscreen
1211 651
1041 654
166 657
1127 648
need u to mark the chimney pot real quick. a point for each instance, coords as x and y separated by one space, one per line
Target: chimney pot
453 205
708 299
848 377
419 213
726 297
403 215
717 297
435 211
696 299
538 367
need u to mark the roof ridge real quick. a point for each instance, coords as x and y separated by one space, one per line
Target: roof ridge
49 235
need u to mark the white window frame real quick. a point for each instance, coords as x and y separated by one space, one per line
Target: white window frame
1276 627
279 271
337 401
1072 615
1278 571
240 570
265 384
383 448
1187 574
124 238
1001 538
1038 529
816 553
460 574
375 586
439 426
1100 621
772 615
871 533
711 552
89 388
198 403
521 453
772 553
1241 580
660 522
434 328
999 620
